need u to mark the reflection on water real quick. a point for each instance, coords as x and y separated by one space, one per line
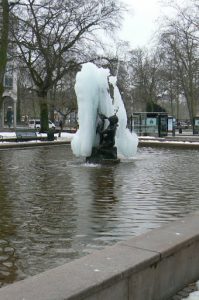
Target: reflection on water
55 208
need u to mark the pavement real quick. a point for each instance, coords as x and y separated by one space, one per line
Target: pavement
186 140
183 294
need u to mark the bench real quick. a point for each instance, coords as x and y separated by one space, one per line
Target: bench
23 136
28 135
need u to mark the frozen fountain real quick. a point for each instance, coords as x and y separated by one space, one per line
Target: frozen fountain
103 135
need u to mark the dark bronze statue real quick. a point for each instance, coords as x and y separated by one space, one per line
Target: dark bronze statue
106 149
107 136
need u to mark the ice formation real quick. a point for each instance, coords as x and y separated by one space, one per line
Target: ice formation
93 97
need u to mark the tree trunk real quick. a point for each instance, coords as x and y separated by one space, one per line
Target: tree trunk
52 108
4 27
43 113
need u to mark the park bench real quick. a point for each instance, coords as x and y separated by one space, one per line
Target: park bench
27 135
24 136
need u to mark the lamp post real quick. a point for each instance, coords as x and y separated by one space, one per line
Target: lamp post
14 99
14 113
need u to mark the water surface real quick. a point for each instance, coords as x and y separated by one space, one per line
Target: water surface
55 208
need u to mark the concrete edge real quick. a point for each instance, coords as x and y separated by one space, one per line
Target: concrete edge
169 238
14 145
159 142
149 259
168 144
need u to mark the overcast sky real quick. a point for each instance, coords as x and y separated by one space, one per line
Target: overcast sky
139 26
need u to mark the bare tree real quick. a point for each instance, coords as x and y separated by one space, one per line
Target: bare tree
179 40
55 37
144 68
169 92
63 98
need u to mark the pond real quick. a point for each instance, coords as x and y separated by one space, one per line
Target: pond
54 208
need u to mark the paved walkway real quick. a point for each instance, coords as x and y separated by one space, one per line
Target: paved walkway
183 294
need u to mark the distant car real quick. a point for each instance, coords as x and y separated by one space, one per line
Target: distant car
183 125
36 124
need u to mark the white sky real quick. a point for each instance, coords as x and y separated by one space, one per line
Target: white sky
140 24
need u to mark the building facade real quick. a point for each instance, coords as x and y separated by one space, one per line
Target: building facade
10 94
10 84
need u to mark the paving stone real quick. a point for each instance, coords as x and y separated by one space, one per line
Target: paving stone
185 292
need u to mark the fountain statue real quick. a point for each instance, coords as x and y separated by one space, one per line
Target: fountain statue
102 135
105 152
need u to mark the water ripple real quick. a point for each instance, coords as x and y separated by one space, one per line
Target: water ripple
55 208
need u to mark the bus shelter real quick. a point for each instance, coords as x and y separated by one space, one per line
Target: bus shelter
150 123
196 125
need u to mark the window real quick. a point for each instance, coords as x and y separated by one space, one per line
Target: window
8 78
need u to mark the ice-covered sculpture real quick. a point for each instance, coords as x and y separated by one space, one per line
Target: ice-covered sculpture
94 101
